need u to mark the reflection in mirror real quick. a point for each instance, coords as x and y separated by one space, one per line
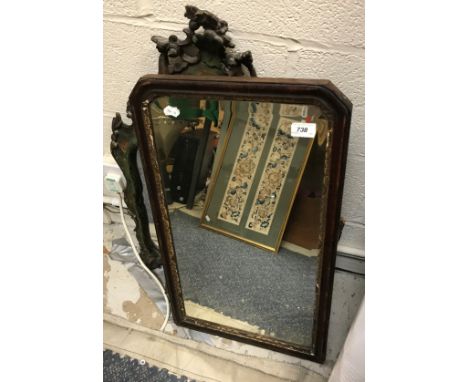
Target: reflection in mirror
246 199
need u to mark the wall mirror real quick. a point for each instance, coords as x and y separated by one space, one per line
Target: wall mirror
245 179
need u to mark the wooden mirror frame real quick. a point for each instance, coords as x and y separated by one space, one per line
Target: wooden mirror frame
297 91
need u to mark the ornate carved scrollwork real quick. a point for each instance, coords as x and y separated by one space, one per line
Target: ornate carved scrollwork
210 47
202 52
124 150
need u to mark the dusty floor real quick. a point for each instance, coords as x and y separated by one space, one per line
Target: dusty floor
131 322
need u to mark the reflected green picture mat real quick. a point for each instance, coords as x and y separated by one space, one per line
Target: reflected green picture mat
272 240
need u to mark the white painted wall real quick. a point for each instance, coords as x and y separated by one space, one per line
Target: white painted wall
319 39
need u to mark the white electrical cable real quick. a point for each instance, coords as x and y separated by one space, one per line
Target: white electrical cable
137 255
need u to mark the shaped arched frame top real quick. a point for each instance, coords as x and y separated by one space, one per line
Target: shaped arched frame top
241 88
335 107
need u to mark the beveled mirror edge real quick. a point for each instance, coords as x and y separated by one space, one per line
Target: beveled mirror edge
264 89
327 261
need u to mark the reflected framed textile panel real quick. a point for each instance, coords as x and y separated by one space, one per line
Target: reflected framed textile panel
280 102
256 180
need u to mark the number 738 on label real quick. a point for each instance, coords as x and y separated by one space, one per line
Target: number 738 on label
303 129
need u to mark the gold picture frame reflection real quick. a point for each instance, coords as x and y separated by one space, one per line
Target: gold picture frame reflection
258 173
335 110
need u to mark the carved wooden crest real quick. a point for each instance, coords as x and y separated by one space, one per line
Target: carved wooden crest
207 49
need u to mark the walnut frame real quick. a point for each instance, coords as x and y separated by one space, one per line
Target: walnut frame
261 89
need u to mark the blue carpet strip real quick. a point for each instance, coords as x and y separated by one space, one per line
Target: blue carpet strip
118 368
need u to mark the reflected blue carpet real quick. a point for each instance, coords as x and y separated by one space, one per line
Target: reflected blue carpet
275 292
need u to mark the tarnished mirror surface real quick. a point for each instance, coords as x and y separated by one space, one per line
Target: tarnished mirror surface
247 202
245 180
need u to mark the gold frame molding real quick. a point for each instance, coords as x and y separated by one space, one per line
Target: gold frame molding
209 197
294 91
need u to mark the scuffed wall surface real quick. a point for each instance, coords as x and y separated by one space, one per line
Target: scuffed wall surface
322 39
127 304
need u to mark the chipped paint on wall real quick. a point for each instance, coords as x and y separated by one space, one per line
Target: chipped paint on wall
143 312
123 297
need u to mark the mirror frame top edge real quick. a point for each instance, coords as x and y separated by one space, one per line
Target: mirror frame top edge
262 89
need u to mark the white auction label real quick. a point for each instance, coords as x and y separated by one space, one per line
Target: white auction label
172 111
303 129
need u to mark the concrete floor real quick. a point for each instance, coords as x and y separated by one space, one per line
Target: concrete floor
131 322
